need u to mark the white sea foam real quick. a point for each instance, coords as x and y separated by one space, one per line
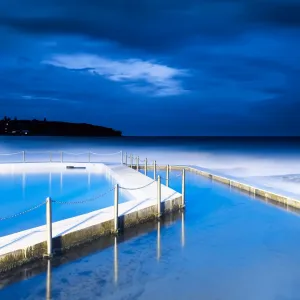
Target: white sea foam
266 169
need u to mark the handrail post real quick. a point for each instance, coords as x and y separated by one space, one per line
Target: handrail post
154 170
137 163
49 226
61 156
183 188
116 213
158 197
131 159
121 157
146 167
89 156
126 158
24 156
167 177
50 154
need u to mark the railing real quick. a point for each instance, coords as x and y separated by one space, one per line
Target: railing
49 202
137 166
54 156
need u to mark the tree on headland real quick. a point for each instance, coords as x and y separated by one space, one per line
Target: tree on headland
6 119
44 127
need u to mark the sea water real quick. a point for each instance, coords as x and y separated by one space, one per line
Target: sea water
268 163
225 245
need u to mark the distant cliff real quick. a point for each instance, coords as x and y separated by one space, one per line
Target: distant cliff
48 128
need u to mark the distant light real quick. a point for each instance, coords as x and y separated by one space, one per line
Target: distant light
25 132
6 124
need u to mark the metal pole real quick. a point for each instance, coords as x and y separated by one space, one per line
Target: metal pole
126 159
89 157
49 226
167 177
158 197
154 170
131 158
183 188
121 157
50 154
137 163
116 213
23 156
146 167
61 156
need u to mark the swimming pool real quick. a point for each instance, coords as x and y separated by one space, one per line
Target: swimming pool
21 190
225 245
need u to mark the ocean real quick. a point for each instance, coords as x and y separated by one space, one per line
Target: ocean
266 162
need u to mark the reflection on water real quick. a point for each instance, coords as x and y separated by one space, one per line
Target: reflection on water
158 241
23 184
48 280
61 181
25 190
182 230
225 245
50 183
116 260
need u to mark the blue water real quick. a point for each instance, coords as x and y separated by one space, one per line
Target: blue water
227 245
20 191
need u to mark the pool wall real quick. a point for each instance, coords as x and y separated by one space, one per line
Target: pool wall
277 198
64 242
50 167
30 245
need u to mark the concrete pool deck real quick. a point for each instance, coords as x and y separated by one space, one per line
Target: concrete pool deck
28 245
22 247
274 196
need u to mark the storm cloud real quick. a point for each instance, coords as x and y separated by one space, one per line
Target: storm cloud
213 64
147 24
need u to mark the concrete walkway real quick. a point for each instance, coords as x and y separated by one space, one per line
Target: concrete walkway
126 177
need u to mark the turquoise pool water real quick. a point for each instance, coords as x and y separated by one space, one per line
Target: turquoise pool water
20 191
226 245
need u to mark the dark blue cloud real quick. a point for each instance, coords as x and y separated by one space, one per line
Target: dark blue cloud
154 67
147 24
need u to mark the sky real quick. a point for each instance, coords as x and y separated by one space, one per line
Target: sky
153 67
